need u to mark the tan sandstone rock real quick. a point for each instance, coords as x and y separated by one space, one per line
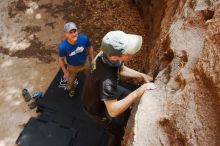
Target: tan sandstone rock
185 107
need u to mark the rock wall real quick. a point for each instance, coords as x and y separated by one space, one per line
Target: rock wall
184 57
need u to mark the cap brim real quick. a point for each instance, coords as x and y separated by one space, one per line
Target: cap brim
134 44
71 29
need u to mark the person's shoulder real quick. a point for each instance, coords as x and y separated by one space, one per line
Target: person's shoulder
63 43
83 36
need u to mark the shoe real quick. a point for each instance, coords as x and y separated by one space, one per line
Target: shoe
37 94
26 95
72 93
33 104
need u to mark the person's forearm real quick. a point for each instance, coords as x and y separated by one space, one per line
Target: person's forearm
62 64
128 72
91 53
115 108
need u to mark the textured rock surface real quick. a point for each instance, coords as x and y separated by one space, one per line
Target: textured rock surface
184 58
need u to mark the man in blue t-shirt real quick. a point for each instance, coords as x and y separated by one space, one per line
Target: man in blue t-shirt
75 49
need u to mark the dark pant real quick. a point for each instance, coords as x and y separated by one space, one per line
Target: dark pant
114 126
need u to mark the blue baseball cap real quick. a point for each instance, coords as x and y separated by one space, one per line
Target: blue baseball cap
115 43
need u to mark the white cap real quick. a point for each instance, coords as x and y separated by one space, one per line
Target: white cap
117 42
69 26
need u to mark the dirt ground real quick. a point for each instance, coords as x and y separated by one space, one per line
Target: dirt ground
30 31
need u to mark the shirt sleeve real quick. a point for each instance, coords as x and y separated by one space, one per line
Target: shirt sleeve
109 90
61 51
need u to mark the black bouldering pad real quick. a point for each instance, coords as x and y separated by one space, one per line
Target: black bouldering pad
57 108
62 121
43 133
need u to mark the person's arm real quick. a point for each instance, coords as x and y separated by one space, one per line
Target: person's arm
91 53
61 62
116 107
128 72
